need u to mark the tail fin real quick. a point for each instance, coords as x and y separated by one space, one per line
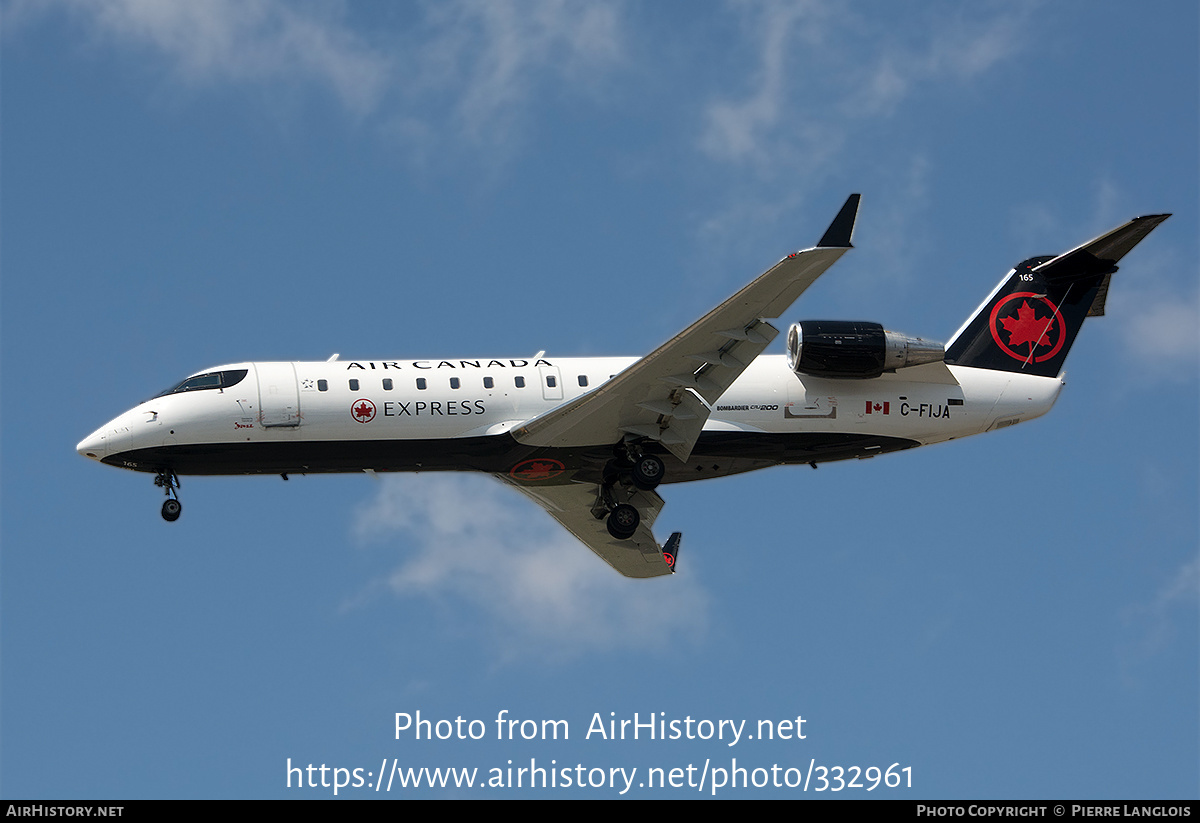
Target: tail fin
1029 322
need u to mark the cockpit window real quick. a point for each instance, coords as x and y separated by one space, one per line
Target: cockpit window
211 380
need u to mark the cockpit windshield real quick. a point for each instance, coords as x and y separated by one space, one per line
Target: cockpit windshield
208 380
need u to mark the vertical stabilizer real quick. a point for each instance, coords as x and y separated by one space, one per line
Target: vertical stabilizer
1029 322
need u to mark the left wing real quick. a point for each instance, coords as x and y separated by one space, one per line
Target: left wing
665 396
570 505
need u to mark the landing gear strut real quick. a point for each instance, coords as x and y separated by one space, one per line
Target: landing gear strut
630 467
171 507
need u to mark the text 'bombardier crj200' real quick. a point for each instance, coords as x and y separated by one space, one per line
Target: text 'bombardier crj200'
591 439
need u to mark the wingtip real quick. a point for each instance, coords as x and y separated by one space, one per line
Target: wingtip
838 235
671 550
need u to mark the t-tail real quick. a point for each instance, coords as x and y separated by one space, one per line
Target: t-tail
1029 322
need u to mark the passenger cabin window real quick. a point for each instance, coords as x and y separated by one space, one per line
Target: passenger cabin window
583 380
322 385
454 383
488 382
421 383
387 384
353 385
210 380
550 381
520 381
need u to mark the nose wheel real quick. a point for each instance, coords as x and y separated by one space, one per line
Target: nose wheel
171 507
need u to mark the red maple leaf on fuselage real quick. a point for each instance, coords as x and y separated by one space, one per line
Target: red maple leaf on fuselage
1027 327
363 410
538 471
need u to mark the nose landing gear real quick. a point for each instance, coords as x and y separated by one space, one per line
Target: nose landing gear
171 507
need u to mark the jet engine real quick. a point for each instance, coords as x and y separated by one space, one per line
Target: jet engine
854 349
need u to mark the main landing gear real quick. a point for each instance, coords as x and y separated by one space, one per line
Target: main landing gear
171 507
623 522
631 467
647 472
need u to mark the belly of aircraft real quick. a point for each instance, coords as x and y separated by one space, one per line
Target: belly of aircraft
716 454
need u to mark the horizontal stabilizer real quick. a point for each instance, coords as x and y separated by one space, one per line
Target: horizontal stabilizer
1100 256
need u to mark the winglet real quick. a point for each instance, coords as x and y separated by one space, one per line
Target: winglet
837 236
671 550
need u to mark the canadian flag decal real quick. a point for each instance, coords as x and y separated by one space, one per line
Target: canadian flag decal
875 407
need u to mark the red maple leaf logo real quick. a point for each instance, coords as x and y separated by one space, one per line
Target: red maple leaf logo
537 471
534 470
1027 327
364 411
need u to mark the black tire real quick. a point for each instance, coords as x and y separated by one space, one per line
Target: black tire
647 472
171 509
623 521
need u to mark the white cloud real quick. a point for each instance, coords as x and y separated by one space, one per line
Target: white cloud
1151 626
957 50
1164 333
805 98
738 130
463 69
745 130
471 541
246 41
815 81
494 55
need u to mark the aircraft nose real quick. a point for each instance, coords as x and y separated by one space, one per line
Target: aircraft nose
93 445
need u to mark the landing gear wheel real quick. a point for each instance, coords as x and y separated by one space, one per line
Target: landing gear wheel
623 522
647 472
168 482
171 509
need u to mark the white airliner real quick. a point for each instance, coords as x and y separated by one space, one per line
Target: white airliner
591 439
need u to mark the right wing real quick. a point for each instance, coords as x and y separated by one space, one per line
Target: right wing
665 396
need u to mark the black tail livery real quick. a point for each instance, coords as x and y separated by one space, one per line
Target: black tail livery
1029 323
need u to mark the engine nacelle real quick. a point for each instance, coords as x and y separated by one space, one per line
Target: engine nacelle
854 349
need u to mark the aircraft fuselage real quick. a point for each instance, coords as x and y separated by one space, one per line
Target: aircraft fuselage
439 415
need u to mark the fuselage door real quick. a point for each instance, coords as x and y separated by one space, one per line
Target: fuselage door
278 395
551 382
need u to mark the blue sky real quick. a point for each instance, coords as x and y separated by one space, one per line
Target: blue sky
185 185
